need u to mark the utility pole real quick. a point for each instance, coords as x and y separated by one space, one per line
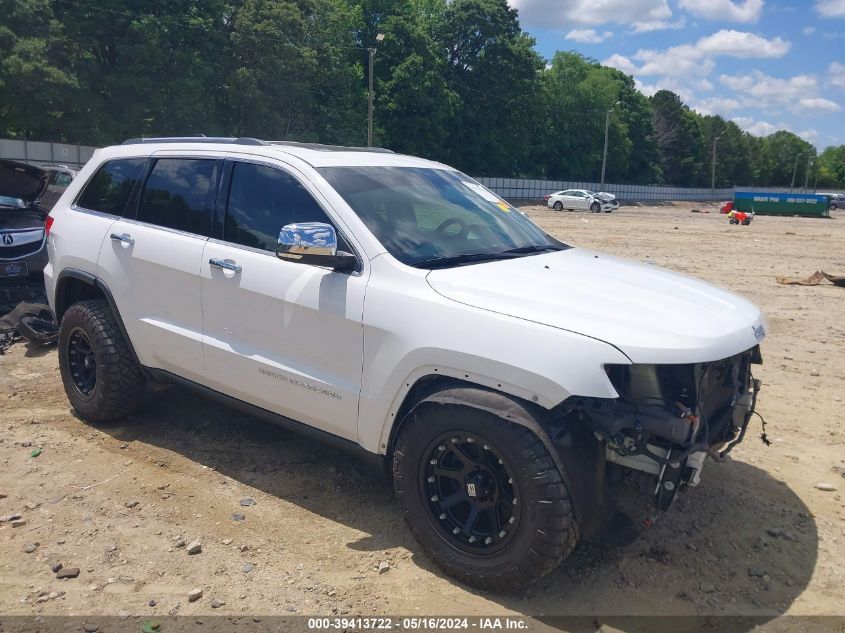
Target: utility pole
807 175
606 132
372 54
713 174
795 170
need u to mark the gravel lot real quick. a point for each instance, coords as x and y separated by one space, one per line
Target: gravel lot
288 526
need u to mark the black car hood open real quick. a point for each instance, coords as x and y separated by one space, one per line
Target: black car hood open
19 180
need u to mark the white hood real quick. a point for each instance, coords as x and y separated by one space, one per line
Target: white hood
649 313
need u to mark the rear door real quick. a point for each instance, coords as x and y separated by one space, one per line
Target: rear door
286 337
151 261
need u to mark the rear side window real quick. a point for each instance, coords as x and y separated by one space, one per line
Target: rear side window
261 201
179 194
110 187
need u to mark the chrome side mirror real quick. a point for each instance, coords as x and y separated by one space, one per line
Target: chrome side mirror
313 243
306 238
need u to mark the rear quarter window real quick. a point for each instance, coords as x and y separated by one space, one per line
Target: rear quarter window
110 186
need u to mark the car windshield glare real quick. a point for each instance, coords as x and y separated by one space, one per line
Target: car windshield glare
423 216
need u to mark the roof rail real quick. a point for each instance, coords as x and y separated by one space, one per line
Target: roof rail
332 148
195 139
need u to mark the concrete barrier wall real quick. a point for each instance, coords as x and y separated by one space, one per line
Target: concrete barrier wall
44 153
75 156
524 189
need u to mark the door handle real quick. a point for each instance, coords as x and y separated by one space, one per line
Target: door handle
124 238
225 264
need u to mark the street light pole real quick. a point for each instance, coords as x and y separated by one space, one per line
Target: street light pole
606 133
713 174
372 53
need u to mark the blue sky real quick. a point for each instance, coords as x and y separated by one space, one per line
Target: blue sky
765 64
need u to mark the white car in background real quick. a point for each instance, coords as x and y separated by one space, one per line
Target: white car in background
582 199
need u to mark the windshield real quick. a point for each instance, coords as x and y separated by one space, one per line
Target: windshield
436 217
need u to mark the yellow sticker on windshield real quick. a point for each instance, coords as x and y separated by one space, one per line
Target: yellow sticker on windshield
504 206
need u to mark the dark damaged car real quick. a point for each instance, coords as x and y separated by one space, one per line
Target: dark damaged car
26 196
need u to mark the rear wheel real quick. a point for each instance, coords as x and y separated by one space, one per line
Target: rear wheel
558 206
102 379
482 496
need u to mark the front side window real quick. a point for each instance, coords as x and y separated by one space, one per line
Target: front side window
179 194
436 217
261 201
109 188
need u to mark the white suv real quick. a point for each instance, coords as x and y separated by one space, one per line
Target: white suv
401 310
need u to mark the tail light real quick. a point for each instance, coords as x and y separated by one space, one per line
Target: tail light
48 224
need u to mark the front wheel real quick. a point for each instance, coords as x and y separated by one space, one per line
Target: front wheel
595 207
102 379
558 206
482 496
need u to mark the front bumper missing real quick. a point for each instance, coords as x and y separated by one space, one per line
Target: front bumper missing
668 419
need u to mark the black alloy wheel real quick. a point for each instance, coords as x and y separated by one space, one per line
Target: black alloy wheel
82 363
473 501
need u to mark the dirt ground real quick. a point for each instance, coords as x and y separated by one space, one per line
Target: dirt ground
757 537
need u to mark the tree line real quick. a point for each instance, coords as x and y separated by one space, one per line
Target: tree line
457 81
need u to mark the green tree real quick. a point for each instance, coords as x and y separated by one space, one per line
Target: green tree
493 69
289 76
782 156
680 140
831 168
734 153
36 81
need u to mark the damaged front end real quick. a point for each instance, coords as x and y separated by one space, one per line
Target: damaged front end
669 418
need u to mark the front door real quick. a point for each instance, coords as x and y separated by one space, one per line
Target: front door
286 337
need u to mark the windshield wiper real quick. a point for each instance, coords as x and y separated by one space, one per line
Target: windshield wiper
524 250
458 260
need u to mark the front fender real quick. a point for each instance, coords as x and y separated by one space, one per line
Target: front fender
411 331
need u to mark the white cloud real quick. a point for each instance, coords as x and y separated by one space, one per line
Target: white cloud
757 128
620 62
811 136
667 83
741 44
836 74
696 60
718 105
809 30
818 103
588 36
725 10
658 25
678 61
556 13
831 8
797 94
762 87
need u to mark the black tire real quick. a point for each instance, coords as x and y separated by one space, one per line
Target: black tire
833 206
118 382
558 206
595 207
541 534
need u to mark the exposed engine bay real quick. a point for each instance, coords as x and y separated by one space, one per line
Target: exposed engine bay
669 418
